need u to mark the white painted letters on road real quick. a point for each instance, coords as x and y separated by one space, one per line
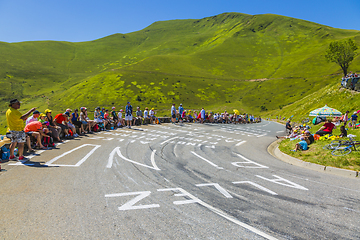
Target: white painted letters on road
284 182
248 161
218 187
117 150
182 193
258 186
130 204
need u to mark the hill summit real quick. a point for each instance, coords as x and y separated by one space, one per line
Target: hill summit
232 60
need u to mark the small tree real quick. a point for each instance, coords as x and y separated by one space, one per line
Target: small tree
342 53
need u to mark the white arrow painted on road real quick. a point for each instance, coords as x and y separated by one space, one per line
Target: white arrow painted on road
117 150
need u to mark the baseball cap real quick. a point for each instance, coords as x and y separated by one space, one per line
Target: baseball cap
42 115
180 104
302 138
128 102
121 110
36 112
67 114
68 110
14 101
48 110
113 108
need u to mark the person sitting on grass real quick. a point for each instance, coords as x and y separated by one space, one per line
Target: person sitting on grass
302 145
354 118
294 134
327 128
343 132
309 138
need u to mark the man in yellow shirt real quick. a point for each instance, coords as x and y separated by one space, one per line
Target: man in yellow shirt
15 121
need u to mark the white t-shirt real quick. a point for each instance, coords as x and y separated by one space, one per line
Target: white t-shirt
31 119
151 113
120 115
146 114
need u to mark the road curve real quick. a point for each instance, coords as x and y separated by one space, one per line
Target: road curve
168 181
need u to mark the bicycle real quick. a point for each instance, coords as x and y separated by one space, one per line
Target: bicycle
345 148
335 144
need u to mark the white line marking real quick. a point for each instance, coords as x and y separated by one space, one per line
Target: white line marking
258 186
153 160
168 140
49 163
212 164
280 131
239 143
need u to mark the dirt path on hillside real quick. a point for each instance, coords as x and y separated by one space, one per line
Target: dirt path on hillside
212 78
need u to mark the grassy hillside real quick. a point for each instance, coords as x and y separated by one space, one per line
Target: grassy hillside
212 62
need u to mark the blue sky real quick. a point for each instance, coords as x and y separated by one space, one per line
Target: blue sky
65 20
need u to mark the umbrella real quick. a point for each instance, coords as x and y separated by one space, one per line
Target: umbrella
325 112
236 112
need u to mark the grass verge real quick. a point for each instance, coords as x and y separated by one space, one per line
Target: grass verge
316 153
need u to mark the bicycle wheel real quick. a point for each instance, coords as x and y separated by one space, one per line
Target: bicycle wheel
341 151
332 146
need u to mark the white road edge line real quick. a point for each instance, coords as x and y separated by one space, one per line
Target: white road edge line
212 164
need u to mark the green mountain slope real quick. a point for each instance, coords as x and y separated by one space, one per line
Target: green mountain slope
212 62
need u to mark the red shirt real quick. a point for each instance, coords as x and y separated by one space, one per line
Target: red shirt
33 126
60 118
328 127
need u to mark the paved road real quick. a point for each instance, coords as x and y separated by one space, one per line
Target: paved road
174 182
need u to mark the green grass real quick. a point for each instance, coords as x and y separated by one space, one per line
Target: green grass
201 63
316 153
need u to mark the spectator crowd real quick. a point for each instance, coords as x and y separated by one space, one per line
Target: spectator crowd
42 130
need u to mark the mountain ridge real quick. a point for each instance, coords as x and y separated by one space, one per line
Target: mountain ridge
184 60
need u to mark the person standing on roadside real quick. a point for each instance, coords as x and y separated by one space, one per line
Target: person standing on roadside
128 114
15 121
173 113
181 110
202 115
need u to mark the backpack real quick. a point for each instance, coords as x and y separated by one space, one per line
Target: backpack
5 153
48 142
96 128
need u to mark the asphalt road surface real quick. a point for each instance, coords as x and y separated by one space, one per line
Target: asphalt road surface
167 181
